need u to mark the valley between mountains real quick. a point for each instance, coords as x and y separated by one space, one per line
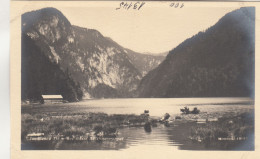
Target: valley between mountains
61 58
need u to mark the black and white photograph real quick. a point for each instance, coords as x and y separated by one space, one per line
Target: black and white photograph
126 76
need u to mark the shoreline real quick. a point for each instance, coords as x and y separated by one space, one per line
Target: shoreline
56 125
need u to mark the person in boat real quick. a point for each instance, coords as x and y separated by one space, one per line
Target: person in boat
185 110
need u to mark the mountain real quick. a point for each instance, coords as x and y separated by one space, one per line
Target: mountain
60 58
216 63
40 75
144 62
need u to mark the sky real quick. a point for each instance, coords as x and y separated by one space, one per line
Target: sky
155 28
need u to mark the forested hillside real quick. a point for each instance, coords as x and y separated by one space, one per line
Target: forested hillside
216 63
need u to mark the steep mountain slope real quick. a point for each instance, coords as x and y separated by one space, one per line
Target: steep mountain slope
217 62
42 76
95 65
144 62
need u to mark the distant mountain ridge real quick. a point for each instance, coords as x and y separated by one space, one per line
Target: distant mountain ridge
216 63
144 62
88 63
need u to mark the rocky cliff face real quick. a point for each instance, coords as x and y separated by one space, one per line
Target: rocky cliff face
216 63
96 65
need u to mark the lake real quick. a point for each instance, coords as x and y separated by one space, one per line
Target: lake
159 106
171 137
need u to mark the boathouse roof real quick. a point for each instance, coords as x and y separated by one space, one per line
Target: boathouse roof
52 97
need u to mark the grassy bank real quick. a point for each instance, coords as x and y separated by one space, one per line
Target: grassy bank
226 128
79 125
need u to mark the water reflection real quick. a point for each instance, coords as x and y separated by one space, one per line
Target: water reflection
147 127
169 137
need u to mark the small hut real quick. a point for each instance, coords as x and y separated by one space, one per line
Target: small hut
52 99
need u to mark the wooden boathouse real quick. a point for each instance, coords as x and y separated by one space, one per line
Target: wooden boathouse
52 99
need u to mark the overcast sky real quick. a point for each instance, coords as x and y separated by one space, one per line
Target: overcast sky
155 28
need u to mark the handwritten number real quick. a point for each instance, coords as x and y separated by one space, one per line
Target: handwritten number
177 5
141 5
122 3
135 6
127 5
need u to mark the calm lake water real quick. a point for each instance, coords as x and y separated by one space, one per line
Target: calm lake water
159 106
171 137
